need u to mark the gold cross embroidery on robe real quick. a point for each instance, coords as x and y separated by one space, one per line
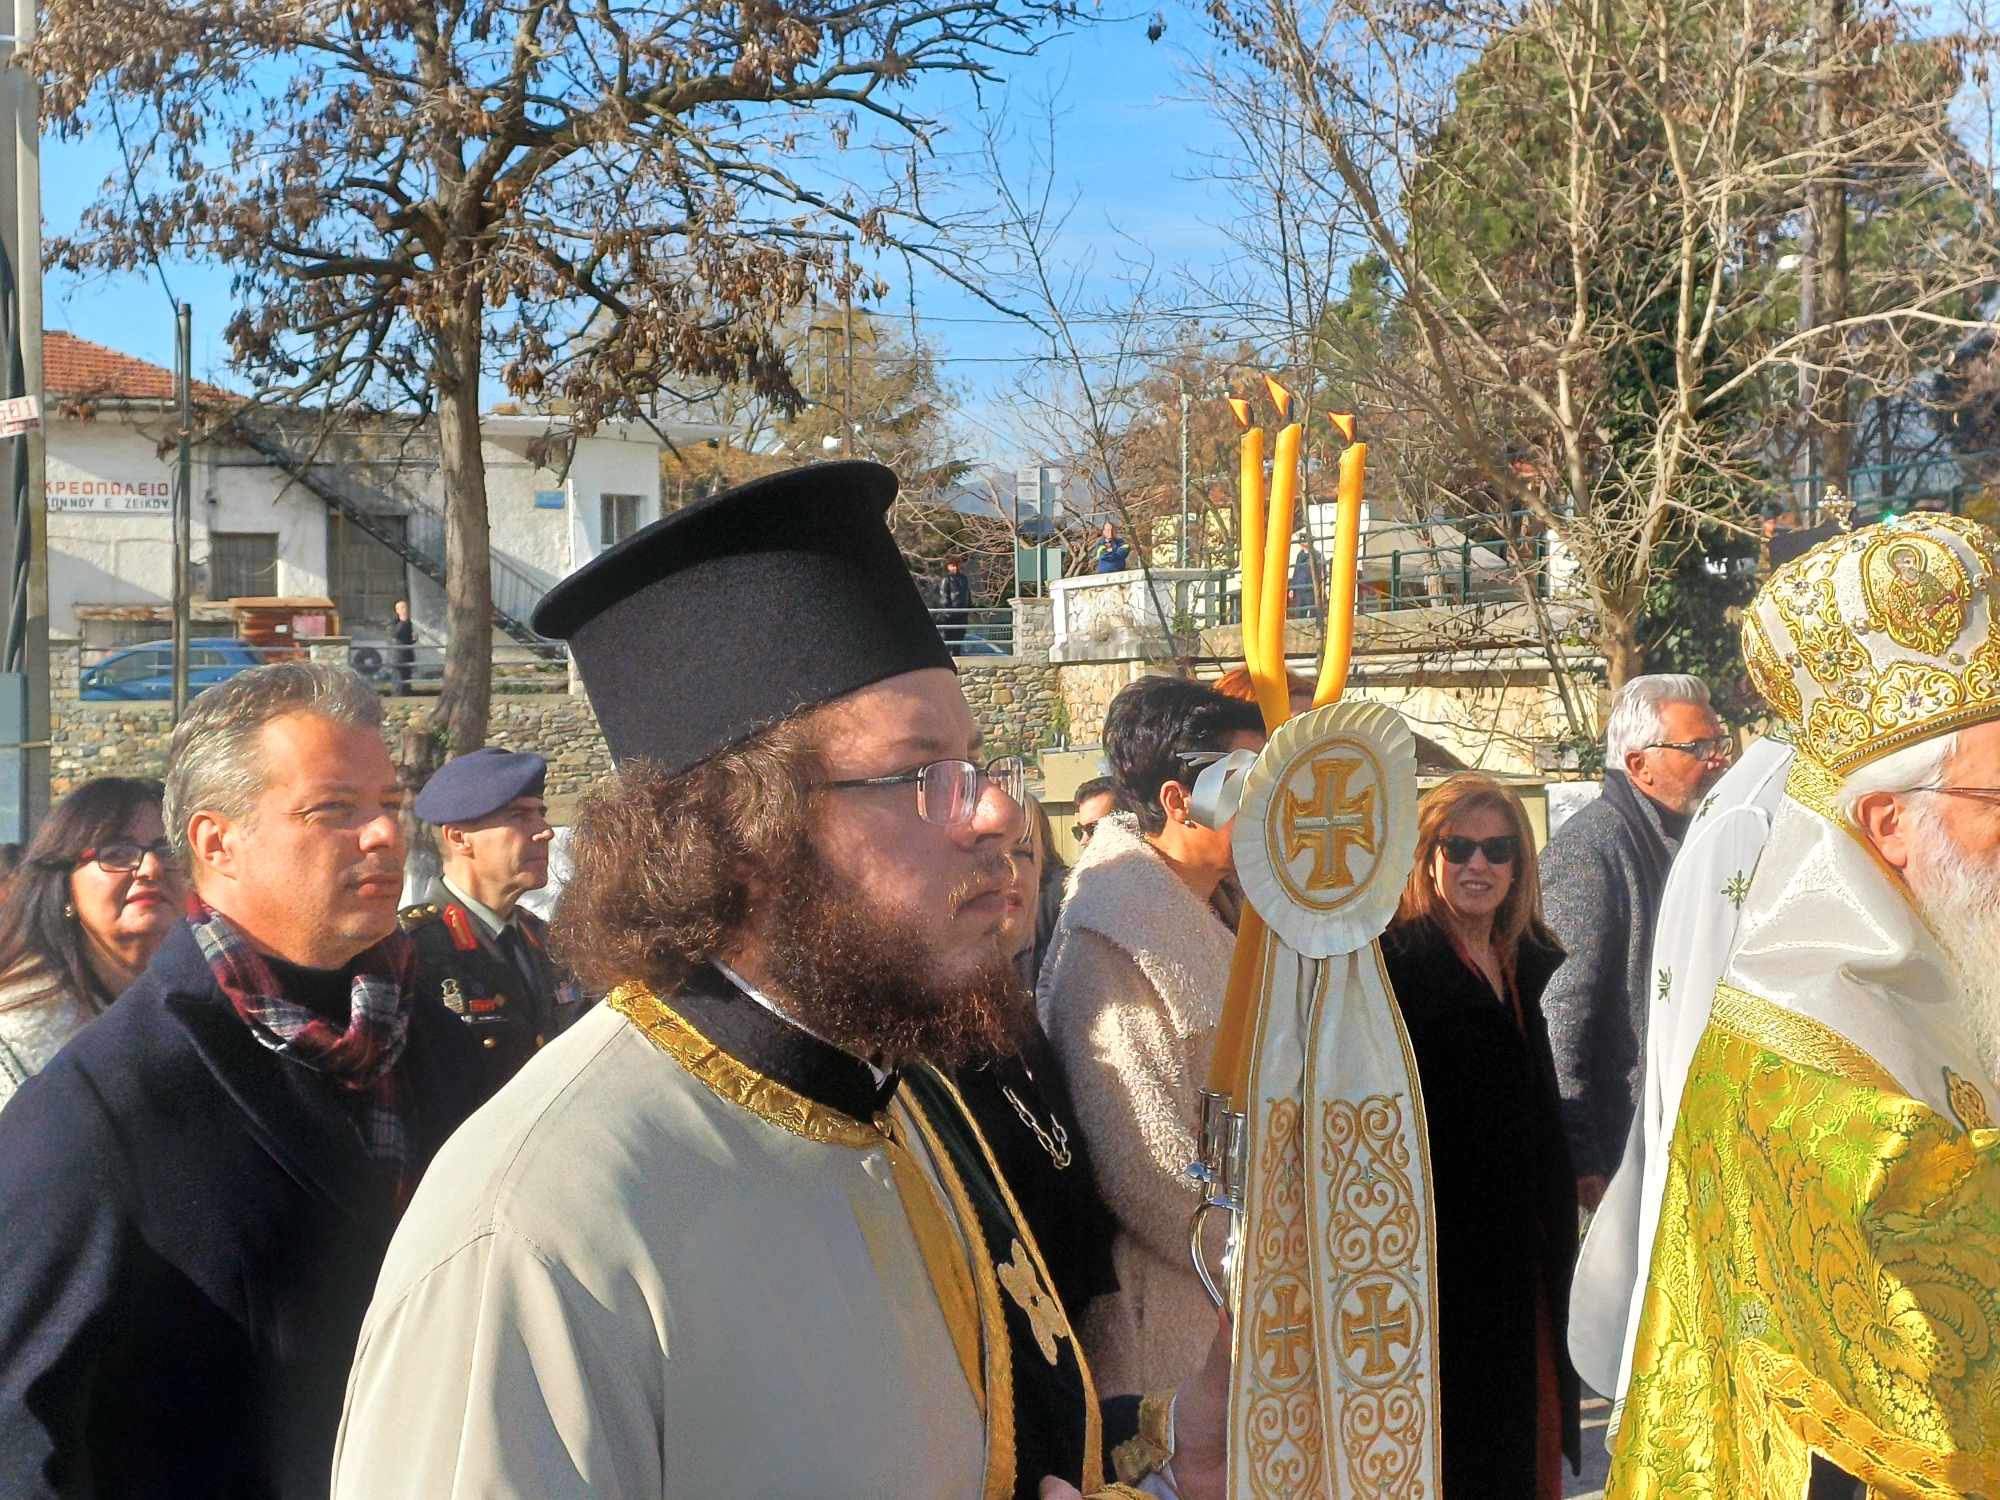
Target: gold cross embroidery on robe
1044 1314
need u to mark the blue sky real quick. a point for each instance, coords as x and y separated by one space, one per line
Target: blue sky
1127 147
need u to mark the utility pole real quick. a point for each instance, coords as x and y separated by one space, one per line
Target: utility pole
24 632
183 500
847 338
1184 549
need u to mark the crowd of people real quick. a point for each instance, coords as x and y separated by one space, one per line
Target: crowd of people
833 1139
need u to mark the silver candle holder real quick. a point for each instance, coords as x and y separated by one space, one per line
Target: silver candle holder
1219 1173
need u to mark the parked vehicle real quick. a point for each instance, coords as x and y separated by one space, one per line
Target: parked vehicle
146 672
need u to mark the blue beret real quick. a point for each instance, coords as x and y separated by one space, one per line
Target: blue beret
479 783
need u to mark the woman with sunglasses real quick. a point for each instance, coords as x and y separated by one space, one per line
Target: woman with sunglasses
1468 956
96 893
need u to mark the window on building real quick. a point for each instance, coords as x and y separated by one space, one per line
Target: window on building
242 564
620 517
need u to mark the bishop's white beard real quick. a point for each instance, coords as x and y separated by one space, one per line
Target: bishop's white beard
1959 895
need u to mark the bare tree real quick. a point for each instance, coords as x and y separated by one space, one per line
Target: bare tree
592 202
1583 219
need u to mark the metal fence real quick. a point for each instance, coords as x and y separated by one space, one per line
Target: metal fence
976 632
1434 563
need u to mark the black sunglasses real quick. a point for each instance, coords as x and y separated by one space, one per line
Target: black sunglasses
1499 850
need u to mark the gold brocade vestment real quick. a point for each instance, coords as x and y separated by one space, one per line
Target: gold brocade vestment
1824 1292
1826 1282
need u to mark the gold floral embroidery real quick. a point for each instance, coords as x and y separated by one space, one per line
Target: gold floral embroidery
1374 1236
1826 1280
1151 1448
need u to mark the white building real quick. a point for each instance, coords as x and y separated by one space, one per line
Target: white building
358 519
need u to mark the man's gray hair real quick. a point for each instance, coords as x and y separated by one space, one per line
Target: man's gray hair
1635 713
1920 765
215 763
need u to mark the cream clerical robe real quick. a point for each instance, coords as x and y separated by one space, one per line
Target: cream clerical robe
649 1270
1822 1314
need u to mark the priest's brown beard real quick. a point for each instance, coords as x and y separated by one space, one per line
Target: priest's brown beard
866 982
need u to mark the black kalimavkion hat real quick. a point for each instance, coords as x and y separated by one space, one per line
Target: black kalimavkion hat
719 620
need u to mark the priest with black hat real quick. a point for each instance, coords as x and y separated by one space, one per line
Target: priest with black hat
733 1233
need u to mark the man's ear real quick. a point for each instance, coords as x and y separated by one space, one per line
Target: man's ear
1885 822
1635 763
210 847
451 840
1174 801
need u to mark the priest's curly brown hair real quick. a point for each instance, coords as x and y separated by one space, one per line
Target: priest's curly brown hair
665 866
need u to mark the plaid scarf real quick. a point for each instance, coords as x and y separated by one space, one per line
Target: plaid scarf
361 1060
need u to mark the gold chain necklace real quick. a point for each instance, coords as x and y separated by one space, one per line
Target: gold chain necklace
1057 1145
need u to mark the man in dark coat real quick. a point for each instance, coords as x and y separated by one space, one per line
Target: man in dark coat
1603 876
482 957
955 598
198 1191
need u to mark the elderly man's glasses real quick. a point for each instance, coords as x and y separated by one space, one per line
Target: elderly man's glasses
1699 749
1499 850
948 790
122 857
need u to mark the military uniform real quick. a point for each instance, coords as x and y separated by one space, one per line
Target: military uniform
512 1005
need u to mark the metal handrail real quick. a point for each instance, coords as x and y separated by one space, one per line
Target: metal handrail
978 631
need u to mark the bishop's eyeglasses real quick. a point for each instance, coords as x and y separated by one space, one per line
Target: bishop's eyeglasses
948 790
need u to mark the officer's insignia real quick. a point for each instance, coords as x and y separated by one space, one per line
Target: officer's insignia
454 997
459 924
416 916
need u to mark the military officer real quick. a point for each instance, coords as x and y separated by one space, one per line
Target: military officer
480 953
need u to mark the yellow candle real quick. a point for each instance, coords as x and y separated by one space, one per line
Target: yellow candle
1229 1067
1250 541
1341 580
1273 694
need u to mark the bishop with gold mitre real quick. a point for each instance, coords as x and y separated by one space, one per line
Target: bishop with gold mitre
1822 1314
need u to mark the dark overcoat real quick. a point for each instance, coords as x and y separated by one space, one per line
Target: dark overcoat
189 1235
1505 1201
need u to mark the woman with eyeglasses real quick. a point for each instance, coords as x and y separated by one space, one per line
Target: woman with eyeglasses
96 892
1468 956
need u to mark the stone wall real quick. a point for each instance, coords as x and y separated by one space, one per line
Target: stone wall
1013 700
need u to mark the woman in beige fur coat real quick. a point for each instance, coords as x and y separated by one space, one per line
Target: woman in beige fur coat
1130 996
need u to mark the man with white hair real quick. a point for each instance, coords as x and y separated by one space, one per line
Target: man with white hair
1603 877
1822 1312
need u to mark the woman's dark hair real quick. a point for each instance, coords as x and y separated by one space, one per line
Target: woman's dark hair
36 937
1152 724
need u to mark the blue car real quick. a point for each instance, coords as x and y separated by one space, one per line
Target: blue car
146 672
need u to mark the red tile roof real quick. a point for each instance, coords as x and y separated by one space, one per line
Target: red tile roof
75 369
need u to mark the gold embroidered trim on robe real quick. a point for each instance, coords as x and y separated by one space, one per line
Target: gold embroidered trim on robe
1797 1037
739 1084
1093 1415
734 1080
1000 1453
1813 787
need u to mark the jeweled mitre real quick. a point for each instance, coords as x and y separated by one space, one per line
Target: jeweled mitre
1880 638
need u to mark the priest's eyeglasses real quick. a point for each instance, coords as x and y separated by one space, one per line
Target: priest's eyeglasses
948 790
